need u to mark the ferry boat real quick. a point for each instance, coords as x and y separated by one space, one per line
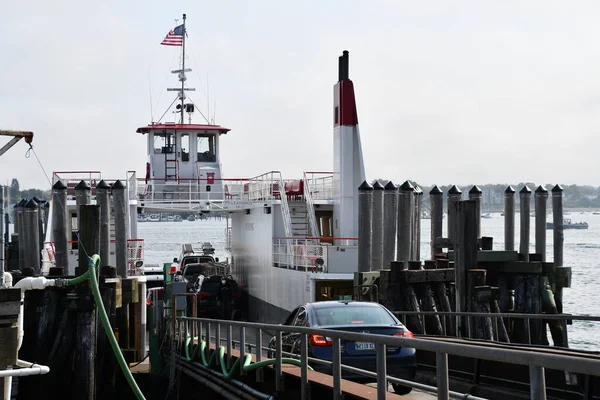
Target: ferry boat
568 224
291 241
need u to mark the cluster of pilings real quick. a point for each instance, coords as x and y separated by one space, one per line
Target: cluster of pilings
62 328
469 276
30 225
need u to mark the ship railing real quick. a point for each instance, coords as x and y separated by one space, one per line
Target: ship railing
228 238
529 322
72 178
305 254
310 207
185 329
321 185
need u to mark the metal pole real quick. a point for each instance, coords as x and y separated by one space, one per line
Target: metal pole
59 228
278 372
259 374
376 263
304 392
541 197
103 200
31 219
381 372
389 223
405 217
365 232
242 349
120 209
417 224
454 196
337 370
436 209
509 219
2 243
182 95
537 383
443 387
476 194
525 207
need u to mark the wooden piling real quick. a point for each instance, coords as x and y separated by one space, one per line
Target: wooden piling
525 208
416 255
476 194
20 224
31 223
405 219
390 194
466 254
480 297
433 323
376 262
365 226
103 200
85 348
120 209
436 207
558 234
509 219
2 243
454 196
59 226
541 197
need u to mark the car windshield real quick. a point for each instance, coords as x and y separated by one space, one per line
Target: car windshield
353 315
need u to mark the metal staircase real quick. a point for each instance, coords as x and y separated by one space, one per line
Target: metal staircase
299 219
310 209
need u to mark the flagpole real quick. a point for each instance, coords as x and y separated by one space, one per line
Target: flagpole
183 70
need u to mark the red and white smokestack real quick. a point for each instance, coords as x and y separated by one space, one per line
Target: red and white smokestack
348 165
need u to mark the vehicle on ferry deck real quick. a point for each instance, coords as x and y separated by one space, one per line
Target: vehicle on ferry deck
347 315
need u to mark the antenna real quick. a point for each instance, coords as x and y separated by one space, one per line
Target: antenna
207 97
182 74
215 112
150 90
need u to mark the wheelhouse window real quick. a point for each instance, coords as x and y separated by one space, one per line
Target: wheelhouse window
206 148
164 143
185 147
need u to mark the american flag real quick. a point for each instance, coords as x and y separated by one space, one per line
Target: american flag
174 37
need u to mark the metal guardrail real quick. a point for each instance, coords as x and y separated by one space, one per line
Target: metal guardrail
563 318
537 361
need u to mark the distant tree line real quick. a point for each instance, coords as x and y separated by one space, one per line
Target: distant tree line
575 196
16 194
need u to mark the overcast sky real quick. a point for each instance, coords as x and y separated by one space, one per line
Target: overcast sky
447 92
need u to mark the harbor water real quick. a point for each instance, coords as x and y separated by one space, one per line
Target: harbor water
163 240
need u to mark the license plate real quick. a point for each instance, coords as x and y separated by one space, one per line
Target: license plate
364 346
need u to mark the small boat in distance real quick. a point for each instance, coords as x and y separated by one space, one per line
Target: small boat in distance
487 215
567 224
596 213
191 218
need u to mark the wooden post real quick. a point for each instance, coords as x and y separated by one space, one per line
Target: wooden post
476 194
541 197
85 348
31 219
466 254
390 194
20 223
416 254
433 323
376 262
525 207
365 226
405 219
509 219
59 226
454 196
103 200
120 207
558 234
436 207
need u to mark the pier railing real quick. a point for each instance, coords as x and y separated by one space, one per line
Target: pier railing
185 328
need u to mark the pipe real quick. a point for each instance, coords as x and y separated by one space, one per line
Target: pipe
25 284
8 280
8 385
26 370
144 317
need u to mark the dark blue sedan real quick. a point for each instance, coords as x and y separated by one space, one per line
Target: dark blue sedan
353 316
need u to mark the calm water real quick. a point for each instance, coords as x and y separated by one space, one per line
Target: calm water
163 242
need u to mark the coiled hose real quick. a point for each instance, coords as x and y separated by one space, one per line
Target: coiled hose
248 365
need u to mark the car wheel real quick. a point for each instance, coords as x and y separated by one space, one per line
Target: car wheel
400 389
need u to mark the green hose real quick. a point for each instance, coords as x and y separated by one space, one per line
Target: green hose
80 279
94 263
248 365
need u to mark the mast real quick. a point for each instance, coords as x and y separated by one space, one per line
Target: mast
182 76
